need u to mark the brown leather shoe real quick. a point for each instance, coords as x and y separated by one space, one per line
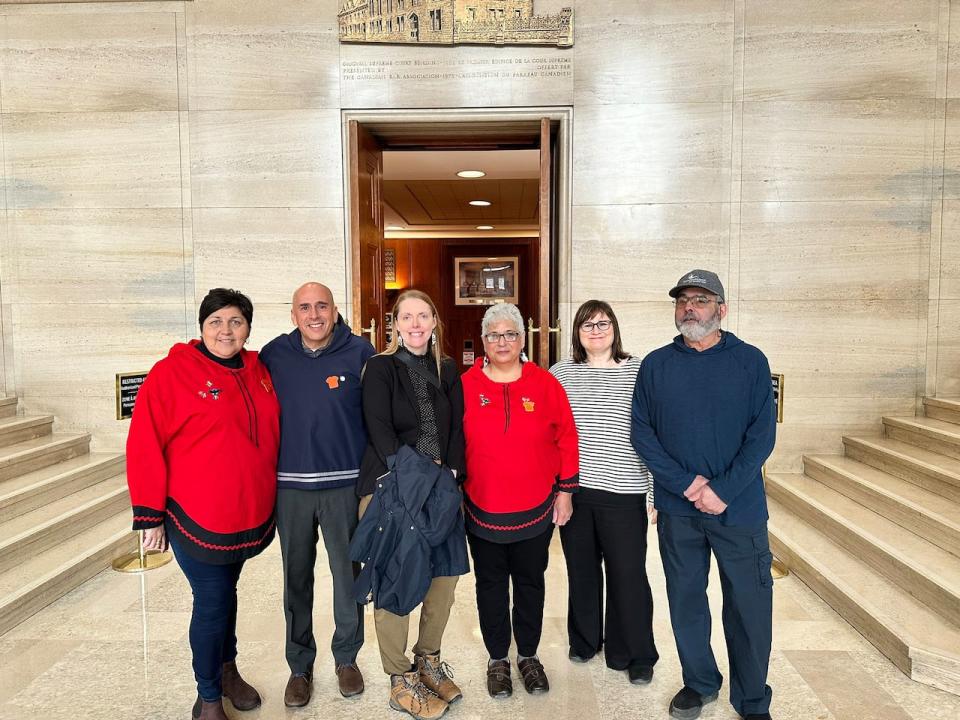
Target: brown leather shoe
299 689
534 677
203 710
499 683
349 679
437 676
241 693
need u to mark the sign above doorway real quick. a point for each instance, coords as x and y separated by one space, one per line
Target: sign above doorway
452 22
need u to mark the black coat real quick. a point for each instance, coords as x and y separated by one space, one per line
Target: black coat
412 532
393 418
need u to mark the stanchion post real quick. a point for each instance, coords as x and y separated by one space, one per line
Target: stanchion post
141 560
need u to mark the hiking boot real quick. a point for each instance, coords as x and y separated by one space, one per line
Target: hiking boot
411 696
437 676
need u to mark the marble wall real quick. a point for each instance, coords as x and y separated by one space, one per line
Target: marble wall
806 150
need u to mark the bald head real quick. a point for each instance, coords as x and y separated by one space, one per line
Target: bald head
314 314
313 287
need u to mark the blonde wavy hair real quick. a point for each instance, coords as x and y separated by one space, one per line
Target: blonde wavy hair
394 345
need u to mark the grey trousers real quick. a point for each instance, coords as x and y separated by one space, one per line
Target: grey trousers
300 515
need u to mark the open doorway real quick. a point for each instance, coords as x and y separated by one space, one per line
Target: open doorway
410 221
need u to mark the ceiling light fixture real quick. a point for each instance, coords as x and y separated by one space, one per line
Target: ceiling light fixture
484 227
471 173
480 203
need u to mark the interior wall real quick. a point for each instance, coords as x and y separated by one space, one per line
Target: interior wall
805 150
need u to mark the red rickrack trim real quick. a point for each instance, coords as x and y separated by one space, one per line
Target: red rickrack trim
488 526
210 546
563 485
148 517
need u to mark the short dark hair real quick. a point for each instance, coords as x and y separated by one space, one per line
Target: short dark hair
219 298
584 313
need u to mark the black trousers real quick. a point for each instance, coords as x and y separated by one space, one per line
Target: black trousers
495 565
607 535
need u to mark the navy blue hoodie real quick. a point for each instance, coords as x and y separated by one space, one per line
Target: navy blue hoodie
706 413
322 434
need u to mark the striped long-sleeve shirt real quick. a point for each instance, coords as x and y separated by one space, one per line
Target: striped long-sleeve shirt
601 399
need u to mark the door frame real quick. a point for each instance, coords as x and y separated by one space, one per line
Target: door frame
562 191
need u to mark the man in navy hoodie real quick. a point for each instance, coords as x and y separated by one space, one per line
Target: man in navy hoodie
316 375
703 421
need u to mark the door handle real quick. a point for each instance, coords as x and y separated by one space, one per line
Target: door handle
531 331
372 330
559 331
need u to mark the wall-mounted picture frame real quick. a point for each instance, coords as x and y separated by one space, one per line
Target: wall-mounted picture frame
486 280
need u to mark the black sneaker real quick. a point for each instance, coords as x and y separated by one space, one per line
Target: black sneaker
757 716
640 674
687 704
574 657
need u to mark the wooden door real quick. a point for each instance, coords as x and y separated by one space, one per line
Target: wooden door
545 304
366 230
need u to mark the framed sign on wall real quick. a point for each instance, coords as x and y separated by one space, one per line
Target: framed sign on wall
485 281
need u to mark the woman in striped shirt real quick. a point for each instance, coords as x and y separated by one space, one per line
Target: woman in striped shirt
609 524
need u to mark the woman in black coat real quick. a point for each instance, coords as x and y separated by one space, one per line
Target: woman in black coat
412 396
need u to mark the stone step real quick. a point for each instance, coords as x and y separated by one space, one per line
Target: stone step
927 572
34 532
942 409
17 429
937 436
27 492
920 511
927 469
51 574
30 455
8 407
924 645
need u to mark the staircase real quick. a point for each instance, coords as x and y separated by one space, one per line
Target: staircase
64 513
876 533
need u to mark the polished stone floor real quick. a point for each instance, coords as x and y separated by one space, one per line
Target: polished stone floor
116 648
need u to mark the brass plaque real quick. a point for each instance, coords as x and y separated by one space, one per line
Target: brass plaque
777 380
452 22
128 385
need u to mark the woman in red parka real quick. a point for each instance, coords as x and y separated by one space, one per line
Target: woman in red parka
522 468
201 466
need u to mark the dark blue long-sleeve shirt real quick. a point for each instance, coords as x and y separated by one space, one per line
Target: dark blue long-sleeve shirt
706 413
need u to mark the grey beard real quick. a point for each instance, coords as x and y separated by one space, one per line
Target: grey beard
697 331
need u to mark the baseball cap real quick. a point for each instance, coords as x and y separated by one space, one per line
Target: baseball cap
701 279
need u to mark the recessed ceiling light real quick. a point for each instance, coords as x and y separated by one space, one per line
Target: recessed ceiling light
395 227
471 173
480 203
484 227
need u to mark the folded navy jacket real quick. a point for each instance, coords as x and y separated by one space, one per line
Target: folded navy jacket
411 532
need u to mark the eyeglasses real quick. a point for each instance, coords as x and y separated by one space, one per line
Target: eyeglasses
600 326
494 338
700 301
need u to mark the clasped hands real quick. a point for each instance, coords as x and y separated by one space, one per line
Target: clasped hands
703 497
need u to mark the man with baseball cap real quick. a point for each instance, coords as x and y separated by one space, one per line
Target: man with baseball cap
704 423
